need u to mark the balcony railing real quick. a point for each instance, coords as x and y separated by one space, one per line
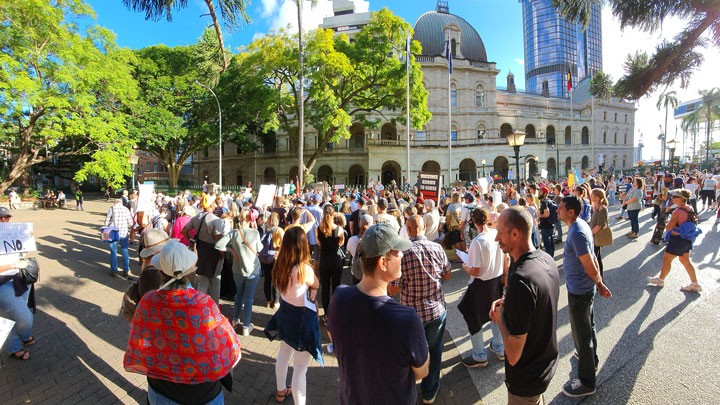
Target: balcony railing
443 142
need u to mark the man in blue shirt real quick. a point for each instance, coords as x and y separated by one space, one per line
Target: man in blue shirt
581 278
628 186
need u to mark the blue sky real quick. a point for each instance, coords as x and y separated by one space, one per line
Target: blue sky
498 22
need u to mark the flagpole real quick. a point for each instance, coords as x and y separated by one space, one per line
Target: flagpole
407 102
449 58
572 166
592 134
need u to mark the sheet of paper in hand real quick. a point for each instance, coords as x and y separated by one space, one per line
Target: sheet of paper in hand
16 237
6 326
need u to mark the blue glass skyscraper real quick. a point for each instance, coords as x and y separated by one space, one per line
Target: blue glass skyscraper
554 46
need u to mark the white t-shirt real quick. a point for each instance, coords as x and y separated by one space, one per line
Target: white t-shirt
295 294
692 188
432 220
486 254
709 184
353 244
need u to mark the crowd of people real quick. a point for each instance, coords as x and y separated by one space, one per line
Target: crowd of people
194 249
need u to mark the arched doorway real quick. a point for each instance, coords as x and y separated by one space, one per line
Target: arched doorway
568 135
356 175
550 135
293 174
468 170
357 136
505 130
585 163
530 131
552 168
500 166
568 165
269 176
431 166
388 132
390 171
325 173
531 166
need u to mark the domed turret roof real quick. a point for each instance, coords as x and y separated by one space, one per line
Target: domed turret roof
430 31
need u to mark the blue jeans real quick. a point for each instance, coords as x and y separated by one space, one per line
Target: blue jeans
611 197
634 225
434 331
582 324
548 243
478 343
244 296
558 230
156 398
16 309
113 255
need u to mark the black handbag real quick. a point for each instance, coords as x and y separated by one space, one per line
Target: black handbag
31 273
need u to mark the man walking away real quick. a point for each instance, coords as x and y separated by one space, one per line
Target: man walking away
527 315
120 217
424 266
208 230
582 275
380 345
548 217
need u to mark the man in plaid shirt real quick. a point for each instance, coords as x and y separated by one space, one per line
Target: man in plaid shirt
424 266
119 216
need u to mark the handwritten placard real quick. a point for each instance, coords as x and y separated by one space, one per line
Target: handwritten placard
265 195
16 237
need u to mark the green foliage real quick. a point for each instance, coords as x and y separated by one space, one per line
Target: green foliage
62 92
601 85
344 81
672 60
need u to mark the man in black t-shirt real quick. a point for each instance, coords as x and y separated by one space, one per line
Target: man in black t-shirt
527 314
355 216
548 217
380 345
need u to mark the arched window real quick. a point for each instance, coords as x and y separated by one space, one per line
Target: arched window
585 136
568 165
568 135
530 131
454 132
550 135
481 131
479 97
604 137
453 48
505 130
453 96
585 163
615 138
625 141
624 161
604 115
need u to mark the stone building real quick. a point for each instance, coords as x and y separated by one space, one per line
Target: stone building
559 136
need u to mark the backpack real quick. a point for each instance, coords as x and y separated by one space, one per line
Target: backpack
267 254
552 207
469 223
452 219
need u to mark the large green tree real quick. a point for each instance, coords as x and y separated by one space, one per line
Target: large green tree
62 92
233 13
344 81
672 60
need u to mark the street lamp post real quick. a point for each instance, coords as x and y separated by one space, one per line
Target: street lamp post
516 140
133 161
219 133
672 145
483 165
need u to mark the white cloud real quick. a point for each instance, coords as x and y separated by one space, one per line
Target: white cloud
258 35
618 44
519 61
269 7
284 14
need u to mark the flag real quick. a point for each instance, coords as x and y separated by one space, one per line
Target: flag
448 55
569 80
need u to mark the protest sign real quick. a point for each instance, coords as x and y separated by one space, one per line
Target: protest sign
497 197
483 183
145 201
511 174
16 237
543 173
429 186
6 326
287 188
339 186
265 195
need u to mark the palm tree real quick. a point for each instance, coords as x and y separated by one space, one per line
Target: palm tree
666 99
690 123
233 13
710 110
672 59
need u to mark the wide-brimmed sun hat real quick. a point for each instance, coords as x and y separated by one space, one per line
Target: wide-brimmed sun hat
154 241
175 260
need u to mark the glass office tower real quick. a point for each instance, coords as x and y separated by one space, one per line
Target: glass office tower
554 46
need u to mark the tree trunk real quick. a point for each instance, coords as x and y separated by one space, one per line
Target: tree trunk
19 168
302 170
218 31
319 151
173 174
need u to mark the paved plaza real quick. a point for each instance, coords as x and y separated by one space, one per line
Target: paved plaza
655 345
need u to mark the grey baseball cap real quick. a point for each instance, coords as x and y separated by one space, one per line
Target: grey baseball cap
380 239
4 212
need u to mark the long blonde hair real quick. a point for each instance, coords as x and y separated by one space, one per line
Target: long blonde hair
327 225
294 251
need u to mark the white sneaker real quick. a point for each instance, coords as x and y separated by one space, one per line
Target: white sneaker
692 287
656 281
247 329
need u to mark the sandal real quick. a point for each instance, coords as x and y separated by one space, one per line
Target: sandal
29 342
20 355
281 397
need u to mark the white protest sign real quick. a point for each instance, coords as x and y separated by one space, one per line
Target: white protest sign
265 195
543 173
497 197
339 186
16 237
483 183
511 174
379 187
600 158
6 326
145 197
286 189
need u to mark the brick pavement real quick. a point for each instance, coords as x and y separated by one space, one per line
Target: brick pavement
81 338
